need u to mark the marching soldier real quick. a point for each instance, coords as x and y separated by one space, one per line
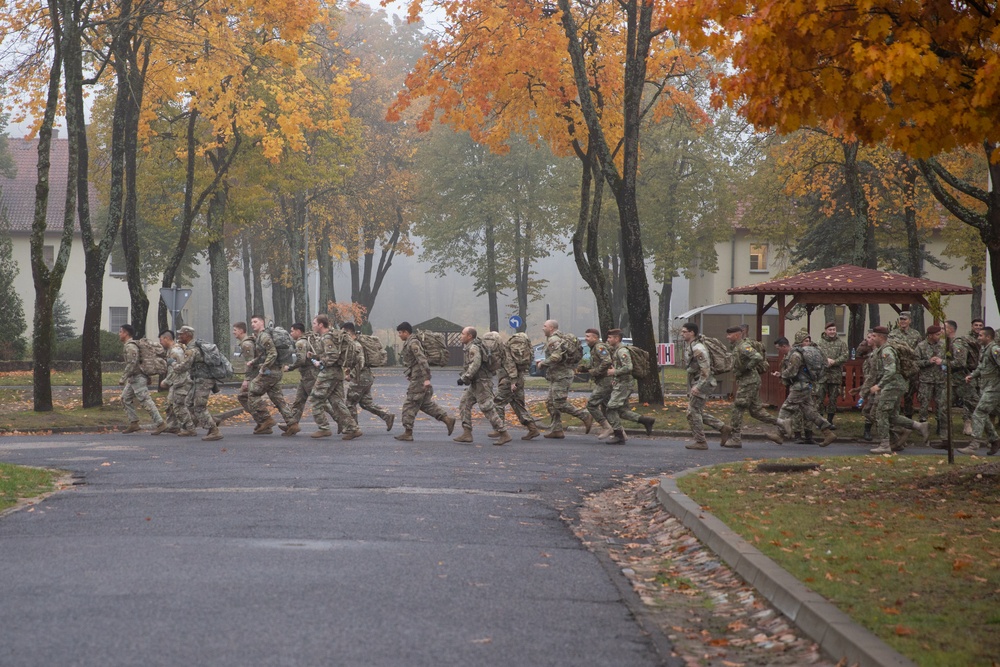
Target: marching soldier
419 392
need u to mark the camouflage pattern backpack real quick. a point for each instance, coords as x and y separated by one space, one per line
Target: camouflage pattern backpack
721 356
375 354
519 348
493 350
152 357
435 347
640 361
907 357
572 349
284 344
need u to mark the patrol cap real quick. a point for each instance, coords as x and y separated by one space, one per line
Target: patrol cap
881 330
801 335
904 315
933 329
186 329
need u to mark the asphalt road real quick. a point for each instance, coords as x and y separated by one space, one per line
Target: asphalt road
266 550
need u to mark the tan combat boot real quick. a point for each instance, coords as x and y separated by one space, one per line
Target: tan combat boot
322 433
606 430
555 434
828 437
160 428
966 426
493 434
356 433
465 437
390 419
971 449
883 448
588 421
405 436
776 437
449 421
724 433
533 432
187 433
213 434
133 427
290 429
504 438
618 437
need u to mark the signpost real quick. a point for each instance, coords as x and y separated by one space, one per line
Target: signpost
175 297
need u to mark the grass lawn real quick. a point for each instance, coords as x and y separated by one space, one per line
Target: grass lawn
907 545
74 379
18 482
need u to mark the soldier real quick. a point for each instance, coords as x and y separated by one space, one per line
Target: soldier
828 390
479 380
304 353
419 392
803 434
247 346
700 382
988 375
510 390
136 382
203 386
622 386
601 361
960 366
795 375
560 377
360 391
905 333
179 381
747 362
267 382
930 360
890 385
867 401
329 386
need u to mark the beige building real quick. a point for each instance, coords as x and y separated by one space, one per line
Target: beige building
745 260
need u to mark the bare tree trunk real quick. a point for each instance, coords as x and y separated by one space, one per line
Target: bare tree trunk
218 267
666 292
247 277
258 288
325 264
491 275
586 251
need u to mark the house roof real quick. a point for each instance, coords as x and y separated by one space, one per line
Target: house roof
852 280
17 195
439 324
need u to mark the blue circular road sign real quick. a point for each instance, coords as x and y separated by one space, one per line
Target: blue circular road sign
515 322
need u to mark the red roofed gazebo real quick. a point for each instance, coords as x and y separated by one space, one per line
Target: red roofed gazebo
846 284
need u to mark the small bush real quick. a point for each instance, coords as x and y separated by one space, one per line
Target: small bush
72 348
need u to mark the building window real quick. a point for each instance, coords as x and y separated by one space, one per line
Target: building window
117 264
49 256
758 257
117 316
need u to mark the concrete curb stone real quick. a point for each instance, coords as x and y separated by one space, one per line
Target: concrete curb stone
817 617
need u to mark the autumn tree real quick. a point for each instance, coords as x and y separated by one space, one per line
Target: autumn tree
919 80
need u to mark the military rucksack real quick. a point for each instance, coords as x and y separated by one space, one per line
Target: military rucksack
218 366
493 350
152 357
572 349
813 361
519 348
640 361
375 354
762 366
284 344
975 353
907 359
720 356
435 347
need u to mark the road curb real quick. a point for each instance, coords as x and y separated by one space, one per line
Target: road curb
835 632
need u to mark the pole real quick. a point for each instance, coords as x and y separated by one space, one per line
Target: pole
175 309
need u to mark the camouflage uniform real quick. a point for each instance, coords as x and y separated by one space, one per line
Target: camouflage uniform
510 375
870 400
892 385
329 385
699 376
560 377
746 361
479 390
204 386
911 337
967 393
831 387
931 380
622 386
267 382
248 348
307 377
359 392
178 378
136 386
601 360
795 375
418 397
988 375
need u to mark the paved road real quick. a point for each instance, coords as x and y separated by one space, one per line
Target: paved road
263 550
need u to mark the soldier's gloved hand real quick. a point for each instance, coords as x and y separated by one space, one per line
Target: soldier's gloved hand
461 382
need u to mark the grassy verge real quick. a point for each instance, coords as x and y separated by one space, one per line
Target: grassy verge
908 546
18 482
74 379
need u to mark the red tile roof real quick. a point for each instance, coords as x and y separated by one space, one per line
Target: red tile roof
17 195
850 279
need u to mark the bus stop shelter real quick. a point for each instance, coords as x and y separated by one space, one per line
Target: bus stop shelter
847 285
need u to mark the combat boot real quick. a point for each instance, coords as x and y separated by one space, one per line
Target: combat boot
322 433
213 434
830 416
133 427
828 437
173 429
994 448
696 445
606 430
966 426
588 421
493 434
555 434
351 435
784 427
867 436
648 423
290 429
405 436
924 429
504 438
971 449
160 428
776 437
901 438
449 421
533 432
390 419
725 432
264 428
187 433
465 437
807 439
883 448
618 438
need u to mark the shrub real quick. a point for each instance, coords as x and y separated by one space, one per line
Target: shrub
72 348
